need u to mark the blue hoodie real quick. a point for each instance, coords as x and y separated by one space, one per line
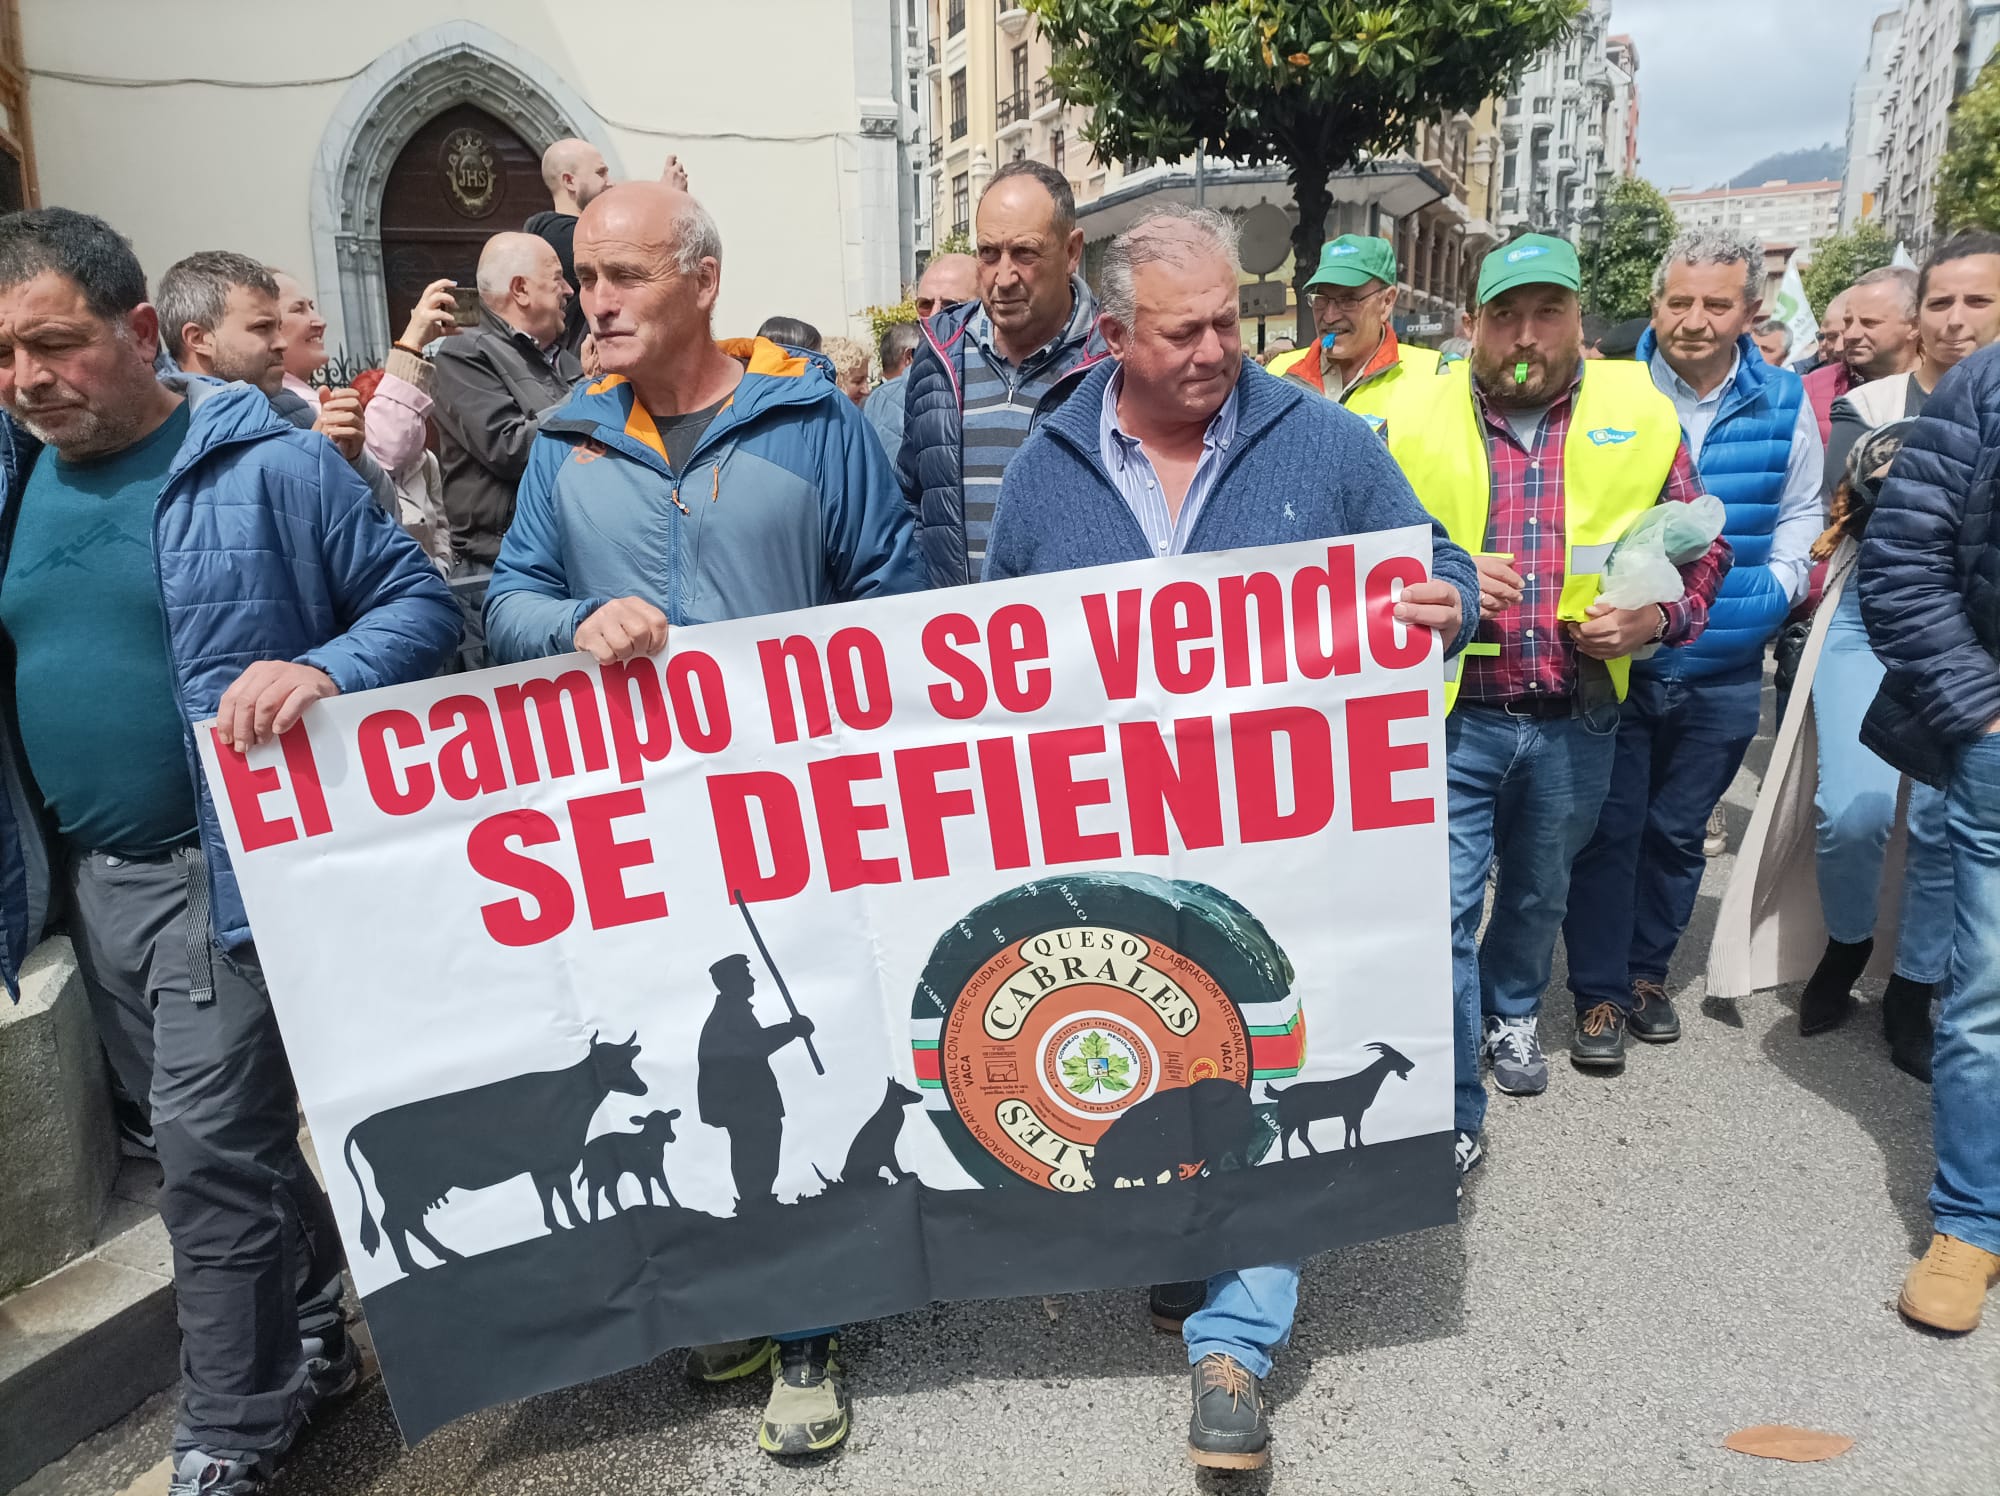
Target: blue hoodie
787 501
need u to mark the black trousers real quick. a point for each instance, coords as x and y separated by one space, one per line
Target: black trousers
753 1161
256 1255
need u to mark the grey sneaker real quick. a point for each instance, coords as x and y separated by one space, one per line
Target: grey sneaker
1227 1430
333 1368
1519 1066
808 1412
730 1359
1715 841
1469 1156
197 1472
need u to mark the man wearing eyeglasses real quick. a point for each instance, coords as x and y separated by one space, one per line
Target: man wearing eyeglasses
1356 358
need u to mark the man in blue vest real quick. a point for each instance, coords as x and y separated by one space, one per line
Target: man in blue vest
1692 712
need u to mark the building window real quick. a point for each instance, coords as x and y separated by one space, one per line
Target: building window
1513 106
961 203
1021 73
958 125
1056 148
954 17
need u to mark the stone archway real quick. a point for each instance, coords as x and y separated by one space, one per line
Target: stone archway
461 62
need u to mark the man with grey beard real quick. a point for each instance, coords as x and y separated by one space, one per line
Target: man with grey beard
172 550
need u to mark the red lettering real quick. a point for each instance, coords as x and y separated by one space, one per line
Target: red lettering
1309 620
777 799
1059 794
244 787
373 737
469 762
1253 751
1237 594
841 821
1018 635
798 652
1000 787
1117 657
1373 761
304 769
1181 614
864 703
508 920
700 701
603 860
632 748
558 729
1156 786
926 807
1415 644
941 640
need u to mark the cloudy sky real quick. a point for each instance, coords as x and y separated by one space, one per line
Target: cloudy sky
1723 83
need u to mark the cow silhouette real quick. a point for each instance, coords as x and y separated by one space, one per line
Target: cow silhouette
610 1156
1207 1126
1348 1097
527 1124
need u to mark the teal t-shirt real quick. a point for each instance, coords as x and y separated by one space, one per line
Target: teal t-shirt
92 680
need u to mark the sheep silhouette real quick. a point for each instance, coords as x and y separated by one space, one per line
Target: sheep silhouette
1206 1126
610 1156
1348 1097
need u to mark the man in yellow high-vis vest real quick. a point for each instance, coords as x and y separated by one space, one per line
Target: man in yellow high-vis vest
1538 463
1356 358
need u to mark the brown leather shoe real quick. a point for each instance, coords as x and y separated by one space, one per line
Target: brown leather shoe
1947 1288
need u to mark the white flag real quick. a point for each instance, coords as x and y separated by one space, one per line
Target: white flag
1901 258
1797 314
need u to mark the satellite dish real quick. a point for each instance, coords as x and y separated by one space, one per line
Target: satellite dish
1265 238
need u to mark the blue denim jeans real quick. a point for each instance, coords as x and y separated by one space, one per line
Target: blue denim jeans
1524 792
1856 806
1248 1315
1965 1196
1632 890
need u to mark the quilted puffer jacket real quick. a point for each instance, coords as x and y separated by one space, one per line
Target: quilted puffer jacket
272 521
1930 579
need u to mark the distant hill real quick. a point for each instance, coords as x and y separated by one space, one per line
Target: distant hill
1818 164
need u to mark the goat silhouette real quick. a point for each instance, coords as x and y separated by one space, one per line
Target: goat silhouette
531 1124
610 1156
1347 1097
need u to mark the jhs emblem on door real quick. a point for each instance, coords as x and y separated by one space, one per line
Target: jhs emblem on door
472 178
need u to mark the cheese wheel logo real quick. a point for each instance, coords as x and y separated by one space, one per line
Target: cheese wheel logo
1061 1032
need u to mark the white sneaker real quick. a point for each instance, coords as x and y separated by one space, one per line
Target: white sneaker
1469 1155
1515 1050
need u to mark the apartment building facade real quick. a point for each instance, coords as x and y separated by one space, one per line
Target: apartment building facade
1793 215
1568 127
1938 51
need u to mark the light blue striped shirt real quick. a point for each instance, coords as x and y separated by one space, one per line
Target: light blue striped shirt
1139 484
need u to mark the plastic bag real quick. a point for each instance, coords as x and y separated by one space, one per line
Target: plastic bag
1644 568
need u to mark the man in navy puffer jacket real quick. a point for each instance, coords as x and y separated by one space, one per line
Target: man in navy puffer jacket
1930 596
173 550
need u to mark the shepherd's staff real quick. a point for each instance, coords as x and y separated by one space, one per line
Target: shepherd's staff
736 897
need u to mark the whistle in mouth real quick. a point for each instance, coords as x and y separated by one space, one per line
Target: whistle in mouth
1521 372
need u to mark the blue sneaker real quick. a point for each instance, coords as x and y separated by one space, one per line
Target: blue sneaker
1519 1066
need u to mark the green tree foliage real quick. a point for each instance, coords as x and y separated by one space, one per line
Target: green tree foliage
1968 179
882 318
1310 83
1840 261
1638 224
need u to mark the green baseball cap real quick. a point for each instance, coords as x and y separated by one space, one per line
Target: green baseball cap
1355 260
1531 260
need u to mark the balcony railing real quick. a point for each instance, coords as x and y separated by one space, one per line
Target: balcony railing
962 226
1045 90
958 127
937 151
1014 107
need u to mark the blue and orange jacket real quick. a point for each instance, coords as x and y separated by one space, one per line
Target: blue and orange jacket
787 501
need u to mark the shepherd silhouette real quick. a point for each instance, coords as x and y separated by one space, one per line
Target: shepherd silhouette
734 1087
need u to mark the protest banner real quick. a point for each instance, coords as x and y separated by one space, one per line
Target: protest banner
1048 935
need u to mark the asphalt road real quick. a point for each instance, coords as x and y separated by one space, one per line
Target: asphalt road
1710 1241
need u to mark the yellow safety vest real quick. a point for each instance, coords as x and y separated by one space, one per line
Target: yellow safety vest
1376 397
1623 437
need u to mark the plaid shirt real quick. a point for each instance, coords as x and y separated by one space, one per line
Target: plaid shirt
1537 658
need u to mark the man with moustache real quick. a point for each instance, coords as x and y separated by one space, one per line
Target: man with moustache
1691 713
1356 358
1538 462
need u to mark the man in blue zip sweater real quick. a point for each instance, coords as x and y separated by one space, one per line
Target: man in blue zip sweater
1184 445
696 481
1692 712
174 550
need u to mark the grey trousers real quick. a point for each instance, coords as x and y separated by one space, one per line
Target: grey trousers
256 1255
